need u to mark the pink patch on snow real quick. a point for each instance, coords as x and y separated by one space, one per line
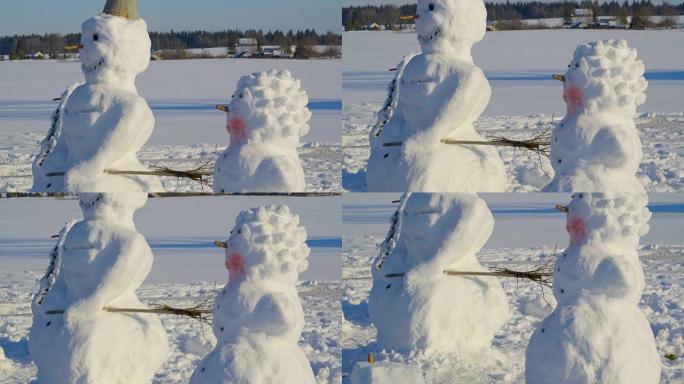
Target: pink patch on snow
237 129
576 228
235 264
573 98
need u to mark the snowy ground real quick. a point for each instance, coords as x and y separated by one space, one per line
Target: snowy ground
527 228
525 100
187 267
182 95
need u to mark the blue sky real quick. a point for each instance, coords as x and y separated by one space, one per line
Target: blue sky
43 16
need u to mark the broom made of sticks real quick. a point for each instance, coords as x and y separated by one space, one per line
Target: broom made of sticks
198 311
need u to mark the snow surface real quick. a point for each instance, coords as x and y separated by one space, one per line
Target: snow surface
527 230
182 95
187 267
525 100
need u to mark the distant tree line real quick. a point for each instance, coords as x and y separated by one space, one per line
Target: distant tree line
358 17
19 46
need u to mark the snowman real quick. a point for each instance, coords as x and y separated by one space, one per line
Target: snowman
597 334
596 147
101 125
258 317
436 96
265 118
426 310
98 262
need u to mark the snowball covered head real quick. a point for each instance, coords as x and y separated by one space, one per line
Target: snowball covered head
605 75
267 242
448 25
268 105
596 217
114 49
111 206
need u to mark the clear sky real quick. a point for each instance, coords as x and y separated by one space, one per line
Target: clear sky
44 16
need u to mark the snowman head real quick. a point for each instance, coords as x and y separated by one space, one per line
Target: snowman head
114 207
431 223
450 25
602 218
268 105
267 242
115 45
604 75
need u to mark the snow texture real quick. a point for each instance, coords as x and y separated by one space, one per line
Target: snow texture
596 147
419 313
98 262
385 373
266 117
597 334
101 124
258 316
439 94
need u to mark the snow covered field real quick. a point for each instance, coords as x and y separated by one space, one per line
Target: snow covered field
182 95
525 101
187 267
527 229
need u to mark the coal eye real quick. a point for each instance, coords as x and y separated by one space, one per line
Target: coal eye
431 7
96 37
577 65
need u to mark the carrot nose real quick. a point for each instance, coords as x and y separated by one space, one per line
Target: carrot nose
220 244
562 208
73 46
222 107
559 78
408 17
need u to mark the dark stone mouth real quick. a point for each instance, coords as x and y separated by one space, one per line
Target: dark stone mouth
425 39
94 67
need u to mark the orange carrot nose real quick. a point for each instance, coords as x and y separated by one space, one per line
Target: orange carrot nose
220 244
222 107
408 17
562 208
73 46
559 78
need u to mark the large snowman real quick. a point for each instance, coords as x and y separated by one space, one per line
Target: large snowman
98 262
101 125
597 334
427 310
265 119
258 317
437 95
596 147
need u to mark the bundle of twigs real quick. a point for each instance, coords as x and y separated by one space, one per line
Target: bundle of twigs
200 311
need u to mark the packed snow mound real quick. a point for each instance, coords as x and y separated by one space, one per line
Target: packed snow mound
114 48
258 316
266 116
597 334
386 373
98 262
419 313
442 23
608 75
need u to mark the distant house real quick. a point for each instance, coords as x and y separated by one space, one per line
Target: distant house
37 56
246 47
273 51
583 15
374 27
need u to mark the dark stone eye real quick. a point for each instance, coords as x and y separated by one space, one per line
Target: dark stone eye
96 37
431 7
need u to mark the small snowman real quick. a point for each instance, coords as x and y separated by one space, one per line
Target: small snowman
98 262
596 147
597 334
426 310
265 119
436 96
258 317
101 125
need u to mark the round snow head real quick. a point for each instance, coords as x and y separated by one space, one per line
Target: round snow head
267 242
605 75
443 24
268 105
431 219
110 206
597 217
114 48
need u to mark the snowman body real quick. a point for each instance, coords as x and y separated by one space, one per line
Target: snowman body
99 262
258 317
436 96
103 122
597 334
596 147
426 309
266 117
